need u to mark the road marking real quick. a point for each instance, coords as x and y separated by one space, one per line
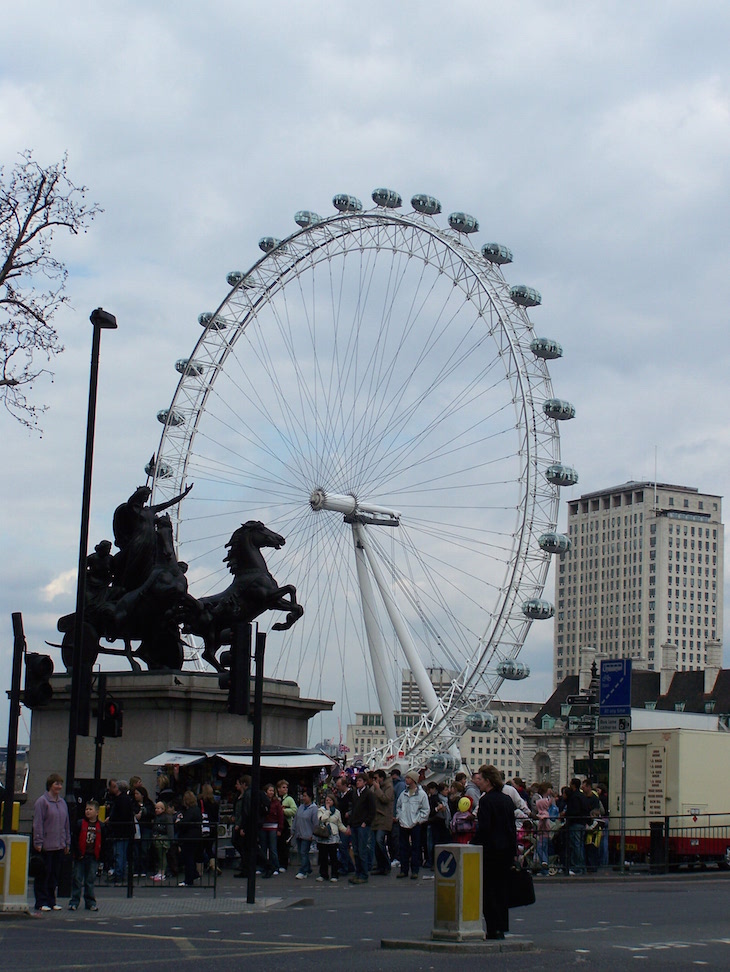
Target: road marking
191 952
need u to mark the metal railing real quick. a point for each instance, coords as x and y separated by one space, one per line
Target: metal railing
656 845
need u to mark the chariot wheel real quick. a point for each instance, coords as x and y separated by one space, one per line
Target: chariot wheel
372 389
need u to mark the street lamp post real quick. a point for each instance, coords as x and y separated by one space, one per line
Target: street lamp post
101 320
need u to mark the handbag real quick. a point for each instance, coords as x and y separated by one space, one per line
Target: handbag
321 832
520 888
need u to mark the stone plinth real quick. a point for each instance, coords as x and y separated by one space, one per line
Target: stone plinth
162 710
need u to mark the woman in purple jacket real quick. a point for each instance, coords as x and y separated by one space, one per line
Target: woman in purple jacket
51 839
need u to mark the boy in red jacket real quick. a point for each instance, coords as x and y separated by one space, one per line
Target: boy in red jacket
86 849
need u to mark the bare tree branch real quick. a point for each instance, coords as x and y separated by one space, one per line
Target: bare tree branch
34 203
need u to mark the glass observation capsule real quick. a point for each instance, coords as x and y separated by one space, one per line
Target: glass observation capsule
428 205
463 223
525 296
443 763
554 543
207 319
496 253
236 277
513 670
538 609
305 218
168 416
560 475
163 470
388 198
347 204
556 408
480 721
546 348
268 243
189 367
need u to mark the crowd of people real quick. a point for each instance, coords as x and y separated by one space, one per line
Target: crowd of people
359 825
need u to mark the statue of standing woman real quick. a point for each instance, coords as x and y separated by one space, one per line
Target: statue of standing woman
135 533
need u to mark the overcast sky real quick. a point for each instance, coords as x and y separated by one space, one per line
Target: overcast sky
592 138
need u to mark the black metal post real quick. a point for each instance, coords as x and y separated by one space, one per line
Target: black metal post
99 741
18 647
100 320
258 704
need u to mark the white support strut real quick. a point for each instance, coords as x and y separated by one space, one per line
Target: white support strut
425 686
375 641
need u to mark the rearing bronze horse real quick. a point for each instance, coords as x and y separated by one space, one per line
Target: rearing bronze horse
252 592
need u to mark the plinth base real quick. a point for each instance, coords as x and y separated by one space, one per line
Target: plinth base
482 947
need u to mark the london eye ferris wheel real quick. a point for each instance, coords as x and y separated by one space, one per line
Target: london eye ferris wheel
373 389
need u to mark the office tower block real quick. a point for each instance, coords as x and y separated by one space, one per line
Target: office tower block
644 569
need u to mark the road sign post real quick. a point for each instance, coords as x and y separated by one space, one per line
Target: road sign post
457 913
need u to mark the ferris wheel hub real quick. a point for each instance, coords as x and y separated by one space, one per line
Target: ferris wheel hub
349 505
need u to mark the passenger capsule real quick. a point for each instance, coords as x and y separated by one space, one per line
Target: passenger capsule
480 721
428 205
560 475
388 198
168 416
546 348
496 253
162 470
554 543
463 223
513 670
347 204
525 296
305 218
268 243
443 763
538 609
556 408
236 277
189 368
212 321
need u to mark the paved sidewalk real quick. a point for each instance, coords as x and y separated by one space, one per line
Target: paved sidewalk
149 900
284 891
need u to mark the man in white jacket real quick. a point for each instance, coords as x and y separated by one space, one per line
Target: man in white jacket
411 810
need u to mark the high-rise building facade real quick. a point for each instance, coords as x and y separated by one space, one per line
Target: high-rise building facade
644 568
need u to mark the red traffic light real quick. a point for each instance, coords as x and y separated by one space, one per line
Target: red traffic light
112 719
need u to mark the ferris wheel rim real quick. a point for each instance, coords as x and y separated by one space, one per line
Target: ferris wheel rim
341 229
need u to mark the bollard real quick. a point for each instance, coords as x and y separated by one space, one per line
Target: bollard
14 853
457 913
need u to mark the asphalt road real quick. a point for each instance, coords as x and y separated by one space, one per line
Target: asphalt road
668 923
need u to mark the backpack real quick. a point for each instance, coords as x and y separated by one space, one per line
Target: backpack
462 822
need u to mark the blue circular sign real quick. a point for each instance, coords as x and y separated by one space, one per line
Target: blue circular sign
446 864
2 849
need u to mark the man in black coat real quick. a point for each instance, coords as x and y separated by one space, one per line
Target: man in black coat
576 817
362 812
497 834
120 824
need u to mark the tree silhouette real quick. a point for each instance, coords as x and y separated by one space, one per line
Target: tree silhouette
34 203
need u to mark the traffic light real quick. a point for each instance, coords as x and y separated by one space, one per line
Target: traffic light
38 670
112 719
236 679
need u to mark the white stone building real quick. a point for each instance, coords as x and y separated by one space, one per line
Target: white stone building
645 568
501 746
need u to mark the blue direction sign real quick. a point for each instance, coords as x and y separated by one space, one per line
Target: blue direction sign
446 864
615 687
